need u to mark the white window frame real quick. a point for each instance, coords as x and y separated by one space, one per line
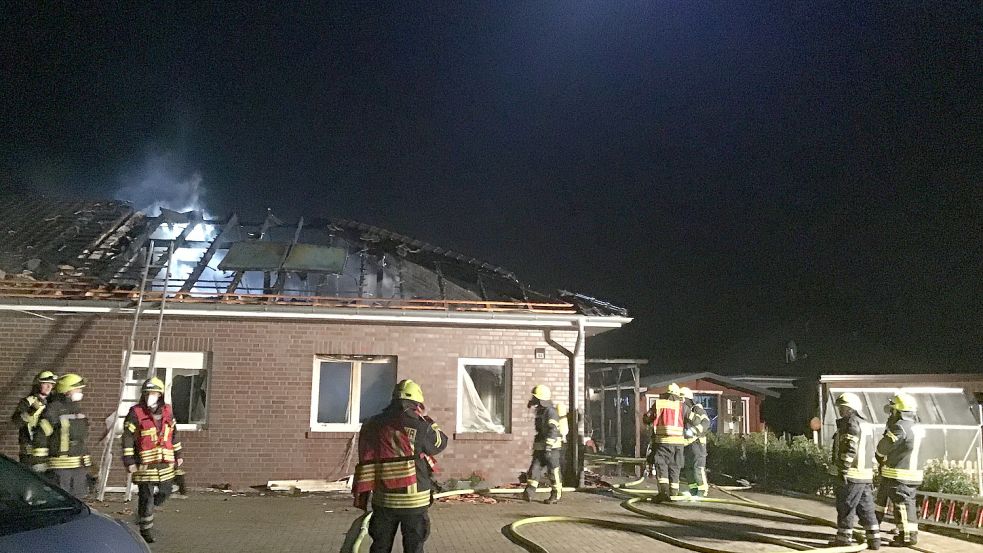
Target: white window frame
746 404
170 360
464 361
355 391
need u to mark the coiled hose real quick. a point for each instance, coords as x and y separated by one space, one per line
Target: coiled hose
634 499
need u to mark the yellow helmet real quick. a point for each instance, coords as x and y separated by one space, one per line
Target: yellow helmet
541 392
686 392
45 377
68 382
851 400
153 385
903 402
674 390
407 389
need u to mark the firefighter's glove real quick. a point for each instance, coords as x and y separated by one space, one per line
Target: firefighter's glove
40 467
179 461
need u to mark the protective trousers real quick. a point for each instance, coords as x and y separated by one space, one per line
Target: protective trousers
855 499
905 513
74 481
414 523
695 468
548 463
668 462
147 499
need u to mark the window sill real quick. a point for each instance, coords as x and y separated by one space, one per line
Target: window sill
482 437
330 434
191 427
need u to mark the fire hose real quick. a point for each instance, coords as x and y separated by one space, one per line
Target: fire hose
634 499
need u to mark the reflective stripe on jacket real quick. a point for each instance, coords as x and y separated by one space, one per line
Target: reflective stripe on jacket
852 449
26 416
150 443
898 450
698 422
666 418
548 427
395 454
60 438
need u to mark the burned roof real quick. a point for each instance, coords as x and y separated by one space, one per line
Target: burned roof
102 249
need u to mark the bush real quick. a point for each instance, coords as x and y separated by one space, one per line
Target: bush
799 465
941 479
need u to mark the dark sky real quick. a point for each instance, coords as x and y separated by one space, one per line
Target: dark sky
735 174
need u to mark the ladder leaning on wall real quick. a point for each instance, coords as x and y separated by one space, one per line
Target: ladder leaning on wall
122 404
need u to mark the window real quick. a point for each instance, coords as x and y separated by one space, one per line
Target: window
350 389
484 396
185 376
709 403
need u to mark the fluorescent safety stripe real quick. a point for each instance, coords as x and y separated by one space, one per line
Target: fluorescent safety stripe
404 500
66 462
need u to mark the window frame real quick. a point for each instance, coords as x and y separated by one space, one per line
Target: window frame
462 362
170 360
355 390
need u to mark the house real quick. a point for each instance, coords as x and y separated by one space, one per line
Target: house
950 412
733 405
276 340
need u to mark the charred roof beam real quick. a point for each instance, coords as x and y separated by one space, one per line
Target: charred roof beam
209 253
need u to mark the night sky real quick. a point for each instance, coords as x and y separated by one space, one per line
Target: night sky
735 175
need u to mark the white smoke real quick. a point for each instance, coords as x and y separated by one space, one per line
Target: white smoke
160 182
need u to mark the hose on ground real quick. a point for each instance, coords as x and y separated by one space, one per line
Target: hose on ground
635 497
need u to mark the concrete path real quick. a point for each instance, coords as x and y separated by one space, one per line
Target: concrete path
214 522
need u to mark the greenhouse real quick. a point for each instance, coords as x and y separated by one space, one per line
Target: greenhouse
948 412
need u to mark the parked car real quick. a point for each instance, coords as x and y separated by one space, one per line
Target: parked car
36 515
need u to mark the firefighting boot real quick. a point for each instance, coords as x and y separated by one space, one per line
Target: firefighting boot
874 539
529 492
900 541
664 493
554 497
147 534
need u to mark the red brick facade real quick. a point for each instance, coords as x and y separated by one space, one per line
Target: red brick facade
261 374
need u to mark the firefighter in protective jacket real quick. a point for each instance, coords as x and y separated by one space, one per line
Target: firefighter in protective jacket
60 438
395 467
151 452
897 455
546 445
666 418
852 453
695 430
27 415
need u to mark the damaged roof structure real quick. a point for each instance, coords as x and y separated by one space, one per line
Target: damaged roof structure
285 334
97 250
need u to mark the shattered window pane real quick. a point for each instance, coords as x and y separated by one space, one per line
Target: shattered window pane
486 397
378 380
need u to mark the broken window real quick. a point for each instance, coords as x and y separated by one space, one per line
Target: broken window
185 377
348 390
484 395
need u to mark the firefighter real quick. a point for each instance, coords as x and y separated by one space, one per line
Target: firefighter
695 430
666 417
150 452
60 447
546 445
852 445
395 467
897 457
27 415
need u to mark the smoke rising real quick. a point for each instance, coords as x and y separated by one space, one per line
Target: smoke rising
162 182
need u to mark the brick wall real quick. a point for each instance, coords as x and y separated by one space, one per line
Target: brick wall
260 386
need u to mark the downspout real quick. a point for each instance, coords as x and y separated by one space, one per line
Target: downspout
575 443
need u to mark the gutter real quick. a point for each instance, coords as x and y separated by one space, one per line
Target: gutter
319 313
